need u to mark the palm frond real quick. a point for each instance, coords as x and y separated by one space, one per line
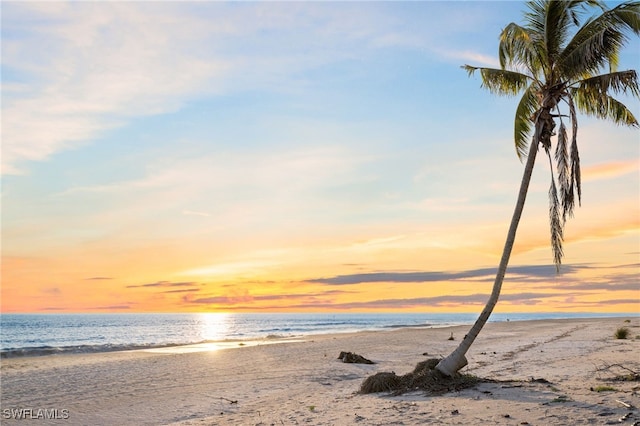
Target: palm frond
564 172
628 15
577 8
616 82
556 226
599 40
591 51
548 25
575 156
523 121
500 82
559 18
518 49
604 106
535 17
575 175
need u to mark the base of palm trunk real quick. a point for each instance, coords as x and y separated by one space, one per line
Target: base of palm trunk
450 365
423 378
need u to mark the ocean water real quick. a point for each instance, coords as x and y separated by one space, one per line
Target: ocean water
45 334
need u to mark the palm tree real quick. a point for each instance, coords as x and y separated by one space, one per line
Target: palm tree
561 66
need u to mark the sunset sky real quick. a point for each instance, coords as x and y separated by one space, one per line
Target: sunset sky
301 156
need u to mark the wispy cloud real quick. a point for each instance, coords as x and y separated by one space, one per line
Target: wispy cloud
245 297
620 283
483 274
135 69
185 290
164 284
572 303
228 184
111 308
610 170
472 58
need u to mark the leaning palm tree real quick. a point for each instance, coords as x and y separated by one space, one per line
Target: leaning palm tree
561 65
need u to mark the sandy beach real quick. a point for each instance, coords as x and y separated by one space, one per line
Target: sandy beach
551 372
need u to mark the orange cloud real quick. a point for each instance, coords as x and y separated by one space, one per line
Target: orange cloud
610 170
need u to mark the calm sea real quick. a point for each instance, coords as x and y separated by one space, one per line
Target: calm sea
43 334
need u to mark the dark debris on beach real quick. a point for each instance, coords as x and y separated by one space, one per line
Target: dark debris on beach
352 358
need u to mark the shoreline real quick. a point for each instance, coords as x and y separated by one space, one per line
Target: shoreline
303 381
230 343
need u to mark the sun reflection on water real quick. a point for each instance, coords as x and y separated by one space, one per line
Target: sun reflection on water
215 326
216 331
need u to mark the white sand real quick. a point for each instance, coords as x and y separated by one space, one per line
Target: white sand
303 382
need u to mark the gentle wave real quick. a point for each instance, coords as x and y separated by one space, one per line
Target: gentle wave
87 349
413 325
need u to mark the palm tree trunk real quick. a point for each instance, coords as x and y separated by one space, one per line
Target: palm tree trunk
456 360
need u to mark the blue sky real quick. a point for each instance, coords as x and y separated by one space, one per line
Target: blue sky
238 144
